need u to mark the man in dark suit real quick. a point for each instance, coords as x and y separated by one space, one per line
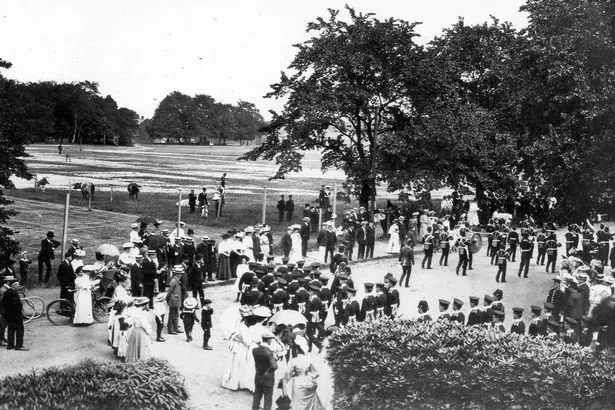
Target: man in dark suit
290 208
281 207
45 255
66 278
406 259
264 378
370 239
149 272
195 278
362 239
12 313
136 276
331 242
304 232
286 242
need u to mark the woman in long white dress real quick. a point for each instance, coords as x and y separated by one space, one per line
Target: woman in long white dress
83 298
139 342
265 246
120 292
472 216
301 380
241 342
393 246
295 250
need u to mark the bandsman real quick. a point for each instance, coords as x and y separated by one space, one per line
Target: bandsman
498 320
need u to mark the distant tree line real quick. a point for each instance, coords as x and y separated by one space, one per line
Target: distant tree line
70 113
181 119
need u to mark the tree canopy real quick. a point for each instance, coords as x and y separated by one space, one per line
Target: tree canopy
181 119
521 116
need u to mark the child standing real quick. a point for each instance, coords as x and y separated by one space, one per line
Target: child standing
160 310
24 266
206 313
189 316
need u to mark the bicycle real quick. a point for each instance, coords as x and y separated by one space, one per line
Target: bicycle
33 307
62 311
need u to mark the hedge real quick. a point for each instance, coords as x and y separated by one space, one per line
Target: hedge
151 384
402 364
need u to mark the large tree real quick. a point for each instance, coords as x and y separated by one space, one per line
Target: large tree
12 139
346 89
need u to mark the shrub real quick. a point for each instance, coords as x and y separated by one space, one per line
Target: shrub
151 384
402 364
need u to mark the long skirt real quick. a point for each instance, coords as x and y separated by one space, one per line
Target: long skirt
303 394
224 268
122 342
83 308
234 377
139 345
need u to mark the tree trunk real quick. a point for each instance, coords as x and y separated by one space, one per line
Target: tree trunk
367 195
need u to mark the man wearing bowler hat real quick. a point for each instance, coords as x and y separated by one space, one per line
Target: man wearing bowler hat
45 255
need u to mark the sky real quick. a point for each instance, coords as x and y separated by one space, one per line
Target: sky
141 50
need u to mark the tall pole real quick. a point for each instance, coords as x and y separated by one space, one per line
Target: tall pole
179 210
111 198
35 182
89 201
264 204
65 231
334 203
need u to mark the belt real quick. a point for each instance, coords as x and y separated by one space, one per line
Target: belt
526 250
301 307
278 306
603 242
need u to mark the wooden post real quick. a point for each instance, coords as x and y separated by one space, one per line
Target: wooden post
264 205
35 182
179 210
334 204
111 196
65 231
90 201
319 218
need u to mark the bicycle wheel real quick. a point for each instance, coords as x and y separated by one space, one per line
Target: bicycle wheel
101 309
39 304
60 312
28 309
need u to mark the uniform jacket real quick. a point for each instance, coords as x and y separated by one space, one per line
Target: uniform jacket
148 269
518 326
406 256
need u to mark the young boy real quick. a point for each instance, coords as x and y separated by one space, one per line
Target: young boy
206 313
160 309
536 325
518 325
189 316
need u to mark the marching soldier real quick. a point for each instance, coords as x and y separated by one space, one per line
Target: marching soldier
324 294
463 249
475 316
368 305
502 257
315 329
490 229
352 308
302 296
445 245
428 245
279 299
457 315
513 241
406 259
527 247
495 245
487 314
381 300
536 325
552 246
443 305
518 325
541 240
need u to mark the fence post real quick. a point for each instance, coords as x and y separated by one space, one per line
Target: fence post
111 196
264 205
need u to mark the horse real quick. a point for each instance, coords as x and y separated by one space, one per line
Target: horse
133 190
87 189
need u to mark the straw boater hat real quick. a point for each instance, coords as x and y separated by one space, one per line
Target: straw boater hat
127 245
190 303
134 225
75 241
161 297
140 301
80 253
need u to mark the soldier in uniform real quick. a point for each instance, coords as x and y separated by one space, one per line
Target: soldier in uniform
302 296
518 325
443 305
457 315
428 245
586 336
315 329
423 309
406 259
475 317
45 255
352 308
445 245
498 320
526 253
325 295
463 250
392 297
513 241
487 314
552 246
536 326
290 208
361 236
557 296
279 298
381 300
368 305
490 230
502 257
541 240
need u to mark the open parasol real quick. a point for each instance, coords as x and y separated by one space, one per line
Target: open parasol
147 220
288 317
155 241
476 243
107 249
